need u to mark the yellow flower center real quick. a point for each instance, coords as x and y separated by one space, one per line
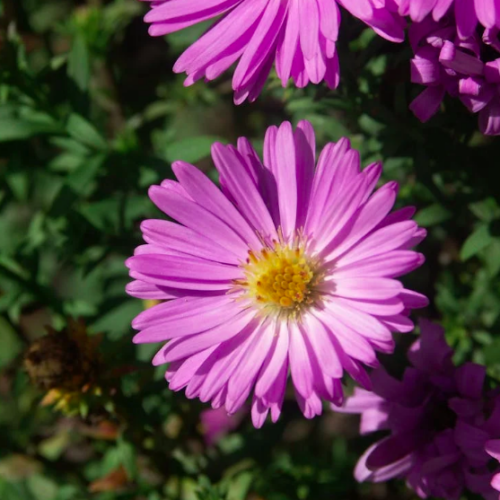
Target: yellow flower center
281 279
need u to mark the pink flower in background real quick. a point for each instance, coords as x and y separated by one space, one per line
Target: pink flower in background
446 63
298 36
492 447
433 414
217 423
291 267
480 442
467 12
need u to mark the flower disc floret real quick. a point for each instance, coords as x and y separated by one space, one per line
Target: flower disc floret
282 279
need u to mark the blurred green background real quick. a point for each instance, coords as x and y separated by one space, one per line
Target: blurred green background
91 115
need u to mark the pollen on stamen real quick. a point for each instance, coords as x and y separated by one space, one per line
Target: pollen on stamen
282 279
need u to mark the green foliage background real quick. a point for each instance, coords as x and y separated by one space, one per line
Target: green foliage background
91 115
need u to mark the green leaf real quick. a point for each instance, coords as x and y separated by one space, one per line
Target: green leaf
128 458
117 321
103 215
14 130
239 487
191 149
11 344
486 210
432 215
79 63
18 182
80 180
23 123
54 446
66 162
492 258
42 488
70 145
492 353
476 242
368 124
37 233
83 408
83 131
14 491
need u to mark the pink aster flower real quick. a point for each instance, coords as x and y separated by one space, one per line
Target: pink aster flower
216 423
446 63
429 413
298 36
467 12
291 267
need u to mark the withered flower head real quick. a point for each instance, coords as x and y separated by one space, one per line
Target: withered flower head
64 360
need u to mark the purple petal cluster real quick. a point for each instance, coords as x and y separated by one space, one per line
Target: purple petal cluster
479 440
290 268
439 423
467 68
297 36
492 447
467 12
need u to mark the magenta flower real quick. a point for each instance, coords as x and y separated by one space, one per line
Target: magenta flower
429 414
289 267
492 447
467 12
446 63
216 423
299 36
479 440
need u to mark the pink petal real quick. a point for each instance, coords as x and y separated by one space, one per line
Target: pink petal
427 103
243 191
182 239
276 358
286 178
300 363
198 219
206 193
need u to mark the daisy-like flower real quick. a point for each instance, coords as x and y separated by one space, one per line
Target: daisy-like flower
467 12
432 414
298 35
289 267
461 67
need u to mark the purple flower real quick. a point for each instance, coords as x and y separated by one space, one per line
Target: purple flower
446 63
466 12
290 266
480 441
216 423
492 447
429 413
299 36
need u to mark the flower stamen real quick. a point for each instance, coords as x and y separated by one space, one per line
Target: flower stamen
281 279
